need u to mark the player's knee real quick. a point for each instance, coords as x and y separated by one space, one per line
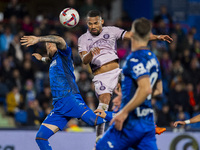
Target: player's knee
40 138
40 135
44 133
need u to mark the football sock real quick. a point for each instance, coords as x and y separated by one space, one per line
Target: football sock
100 128
91 118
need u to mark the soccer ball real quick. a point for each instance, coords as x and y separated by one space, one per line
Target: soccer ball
69 17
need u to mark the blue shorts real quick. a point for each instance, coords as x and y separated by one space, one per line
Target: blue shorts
66 108
140 137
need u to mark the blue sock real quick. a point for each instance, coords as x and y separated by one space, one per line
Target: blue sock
42 137
91 118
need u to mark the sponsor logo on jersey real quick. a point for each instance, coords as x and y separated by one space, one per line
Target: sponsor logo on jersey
53 63
51 113
151 63
102 42
134 60
139 69
81 103
143 112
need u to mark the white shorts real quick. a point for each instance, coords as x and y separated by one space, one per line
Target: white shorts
106 82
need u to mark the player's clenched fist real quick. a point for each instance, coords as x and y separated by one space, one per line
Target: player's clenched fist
95 51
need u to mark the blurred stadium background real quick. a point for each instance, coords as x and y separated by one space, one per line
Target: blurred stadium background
25 96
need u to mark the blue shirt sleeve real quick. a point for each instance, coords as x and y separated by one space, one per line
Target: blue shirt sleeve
137 68
159 74
109 115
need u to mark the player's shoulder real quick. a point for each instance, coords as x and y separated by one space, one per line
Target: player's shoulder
83 36
110 28
139 56
133 57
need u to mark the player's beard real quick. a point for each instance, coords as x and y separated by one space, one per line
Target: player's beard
50 54
95 33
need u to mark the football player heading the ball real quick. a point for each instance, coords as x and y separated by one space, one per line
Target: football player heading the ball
97 47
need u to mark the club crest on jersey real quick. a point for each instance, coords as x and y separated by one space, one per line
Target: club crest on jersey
106 36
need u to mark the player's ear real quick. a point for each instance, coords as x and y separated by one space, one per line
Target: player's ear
102 21
48 45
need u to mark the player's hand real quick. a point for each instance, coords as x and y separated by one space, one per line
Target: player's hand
117 100
95 51
37 56
116 103
29 40
100 113
118 90
119 119
179 122
165 38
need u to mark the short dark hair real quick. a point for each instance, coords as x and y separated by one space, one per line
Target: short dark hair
142 27
94 13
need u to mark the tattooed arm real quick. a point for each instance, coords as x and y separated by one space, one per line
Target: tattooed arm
31 40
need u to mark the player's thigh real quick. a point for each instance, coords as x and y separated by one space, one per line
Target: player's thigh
51 127
112 140
148 142
56 119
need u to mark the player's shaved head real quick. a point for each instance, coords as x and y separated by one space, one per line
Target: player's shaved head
141 28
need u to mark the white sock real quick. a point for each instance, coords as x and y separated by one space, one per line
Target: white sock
100 128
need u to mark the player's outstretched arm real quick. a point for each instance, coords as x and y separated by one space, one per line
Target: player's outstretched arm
128 35
143 90
192 120
179 122
31 40
161 38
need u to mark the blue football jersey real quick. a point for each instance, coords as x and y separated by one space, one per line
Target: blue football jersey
138 64
61 76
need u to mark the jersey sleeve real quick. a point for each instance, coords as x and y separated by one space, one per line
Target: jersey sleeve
119 33
82 46
65 52
137 69
159 74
